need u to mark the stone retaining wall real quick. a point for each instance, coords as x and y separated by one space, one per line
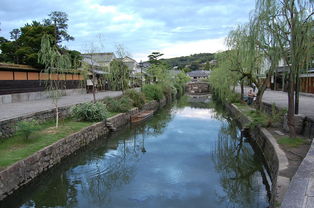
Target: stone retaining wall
275 158
29 96
304 124
22 172
8 127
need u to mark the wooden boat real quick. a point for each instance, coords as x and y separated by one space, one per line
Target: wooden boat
141 116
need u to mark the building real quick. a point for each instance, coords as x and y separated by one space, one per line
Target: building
25 83
131 64
99 60
198 75
279 80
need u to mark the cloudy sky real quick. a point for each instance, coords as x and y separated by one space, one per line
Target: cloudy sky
173 27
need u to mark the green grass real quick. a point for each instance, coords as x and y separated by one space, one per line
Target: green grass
258 118
16 148
111 114
291 142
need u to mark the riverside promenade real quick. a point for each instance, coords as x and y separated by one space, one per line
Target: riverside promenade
280 99
14 110
300 193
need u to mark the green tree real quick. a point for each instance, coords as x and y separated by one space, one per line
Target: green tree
15 34
55 63
291 24
24 50
119 75
153 58
59 20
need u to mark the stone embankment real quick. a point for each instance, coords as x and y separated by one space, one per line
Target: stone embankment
24 171
275 158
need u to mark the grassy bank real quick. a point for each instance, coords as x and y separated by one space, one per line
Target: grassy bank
17 147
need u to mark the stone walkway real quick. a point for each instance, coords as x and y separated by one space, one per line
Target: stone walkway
281 100
13 110
300 193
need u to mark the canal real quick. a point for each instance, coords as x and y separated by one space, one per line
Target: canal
188 155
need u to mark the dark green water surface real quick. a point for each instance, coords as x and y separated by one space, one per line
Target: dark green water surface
185 156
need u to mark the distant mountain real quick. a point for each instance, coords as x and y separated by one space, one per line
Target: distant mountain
192 62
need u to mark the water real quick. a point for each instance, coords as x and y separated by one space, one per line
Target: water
185 156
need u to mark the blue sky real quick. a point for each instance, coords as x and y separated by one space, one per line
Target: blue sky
173 27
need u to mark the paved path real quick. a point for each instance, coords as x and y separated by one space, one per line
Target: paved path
13 110
281 100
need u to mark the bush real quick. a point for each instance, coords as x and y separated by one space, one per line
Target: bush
119 105
137 97
90 111
179 89
153 92
168 91
26 128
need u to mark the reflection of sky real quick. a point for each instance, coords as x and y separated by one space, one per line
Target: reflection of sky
176 171
188 112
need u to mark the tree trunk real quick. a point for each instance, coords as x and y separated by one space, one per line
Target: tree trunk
94 88
297 92
57 116
259 96
291 124
242 89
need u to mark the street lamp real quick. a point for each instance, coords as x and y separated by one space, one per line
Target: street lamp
141 67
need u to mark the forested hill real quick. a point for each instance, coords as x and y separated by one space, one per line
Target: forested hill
194 62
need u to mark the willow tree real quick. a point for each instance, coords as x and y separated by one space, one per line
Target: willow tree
245 58
56 65
119 71
269 50
222 79
291 24
119 75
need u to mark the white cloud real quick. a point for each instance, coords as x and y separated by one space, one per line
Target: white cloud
186 48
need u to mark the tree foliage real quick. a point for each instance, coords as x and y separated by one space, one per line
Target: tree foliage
290 23
55 64
26 42
59 20
119 75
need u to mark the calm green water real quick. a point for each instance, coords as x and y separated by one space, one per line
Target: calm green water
188 155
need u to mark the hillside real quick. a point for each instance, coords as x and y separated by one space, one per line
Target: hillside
193 62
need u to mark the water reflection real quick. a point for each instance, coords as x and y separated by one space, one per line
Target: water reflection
185 156
240 169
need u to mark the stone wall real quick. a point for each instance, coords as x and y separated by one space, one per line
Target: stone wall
304 124
275 158
29 96
24 171
8 127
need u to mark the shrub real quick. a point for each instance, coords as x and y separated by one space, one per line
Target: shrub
153 92
167 91
179 89
119 105
26 128
137 97
90 111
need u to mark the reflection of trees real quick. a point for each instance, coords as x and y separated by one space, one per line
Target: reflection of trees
157 125
112 171
237 165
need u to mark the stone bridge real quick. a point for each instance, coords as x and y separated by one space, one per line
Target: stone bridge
198 88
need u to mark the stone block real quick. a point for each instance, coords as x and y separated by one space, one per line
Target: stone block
20 97
34 96
6 99
310 202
